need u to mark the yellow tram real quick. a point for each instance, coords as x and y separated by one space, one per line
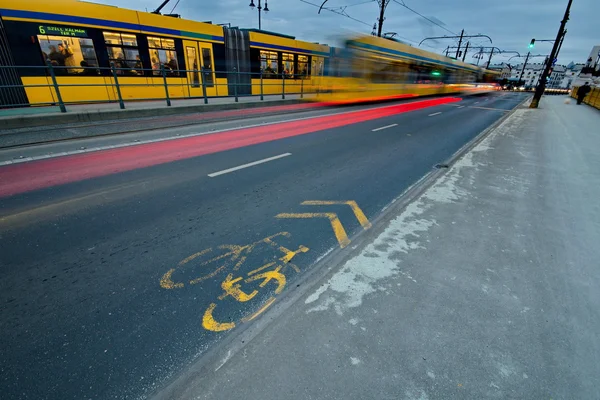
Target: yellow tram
82 40
93 52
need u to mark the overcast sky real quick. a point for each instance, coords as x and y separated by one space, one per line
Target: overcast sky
510 23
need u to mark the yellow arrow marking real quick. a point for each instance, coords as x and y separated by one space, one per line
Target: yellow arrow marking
360 216
338 229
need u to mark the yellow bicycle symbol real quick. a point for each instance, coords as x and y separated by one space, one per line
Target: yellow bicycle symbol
235 256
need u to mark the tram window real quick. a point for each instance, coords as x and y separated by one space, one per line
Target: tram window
380 71
162 52
123 52
269 63
207 67
303 66
402 71
288 64
192 66
317 66
69 52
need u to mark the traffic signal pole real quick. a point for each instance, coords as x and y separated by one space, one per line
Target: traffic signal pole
539 90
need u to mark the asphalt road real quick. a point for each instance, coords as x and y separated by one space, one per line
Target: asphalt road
107 288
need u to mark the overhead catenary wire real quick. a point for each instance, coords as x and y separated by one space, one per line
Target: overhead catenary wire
341 11
173 9
424 17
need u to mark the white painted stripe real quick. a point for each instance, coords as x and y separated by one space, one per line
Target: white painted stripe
461 106
383 127
437 113
488 108
264 160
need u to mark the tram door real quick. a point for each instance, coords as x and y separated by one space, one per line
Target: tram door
199 64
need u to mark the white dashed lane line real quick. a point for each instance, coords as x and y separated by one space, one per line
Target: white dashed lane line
264 160
383 127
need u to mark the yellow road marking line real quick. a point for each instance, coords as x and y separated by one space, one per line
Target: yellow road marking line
209 323
336 225
260 310
167 283
358 213
268 265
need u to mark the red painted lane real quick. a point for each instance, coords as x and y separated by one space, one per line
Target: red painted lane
25 177
248 111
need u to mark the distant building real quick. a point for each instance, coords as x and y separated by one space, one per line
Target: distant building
556 77
533 72
571 74
504 68
530 76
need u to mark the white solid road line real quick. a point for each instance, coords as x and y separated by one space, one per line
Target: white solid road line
437 113
489 108
264 160
383 127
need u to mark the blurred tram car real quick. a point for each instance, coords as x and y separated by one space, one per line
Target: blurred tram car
370 68
152 54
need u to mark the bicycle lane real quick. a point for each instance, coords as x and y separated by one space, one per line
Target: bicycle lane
144 330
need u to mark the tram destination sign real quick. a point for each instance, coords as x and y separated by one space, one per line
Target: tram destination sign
62 31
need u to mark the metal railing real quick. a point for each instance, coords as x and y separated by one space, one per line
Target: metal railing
232 84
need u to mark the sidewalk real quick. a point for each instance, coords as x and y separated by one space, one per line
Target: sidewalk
14 118
487 286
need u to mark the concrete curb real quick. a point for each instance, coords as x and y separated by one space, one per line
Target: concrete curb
29 121
55 132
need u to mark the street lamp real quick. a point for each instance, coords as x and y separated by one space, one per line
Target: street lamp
259 8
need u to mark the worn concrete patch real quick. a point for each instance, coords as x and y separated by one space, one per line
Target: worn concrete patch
382 259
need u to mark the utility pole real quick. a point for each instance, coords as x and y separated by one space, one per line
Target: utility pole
382 5
479 55
524 65
539 90
465 52
459 42
447 48
490 59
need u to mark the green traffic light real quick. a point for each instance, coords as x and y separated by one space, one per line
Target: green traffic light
532 43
